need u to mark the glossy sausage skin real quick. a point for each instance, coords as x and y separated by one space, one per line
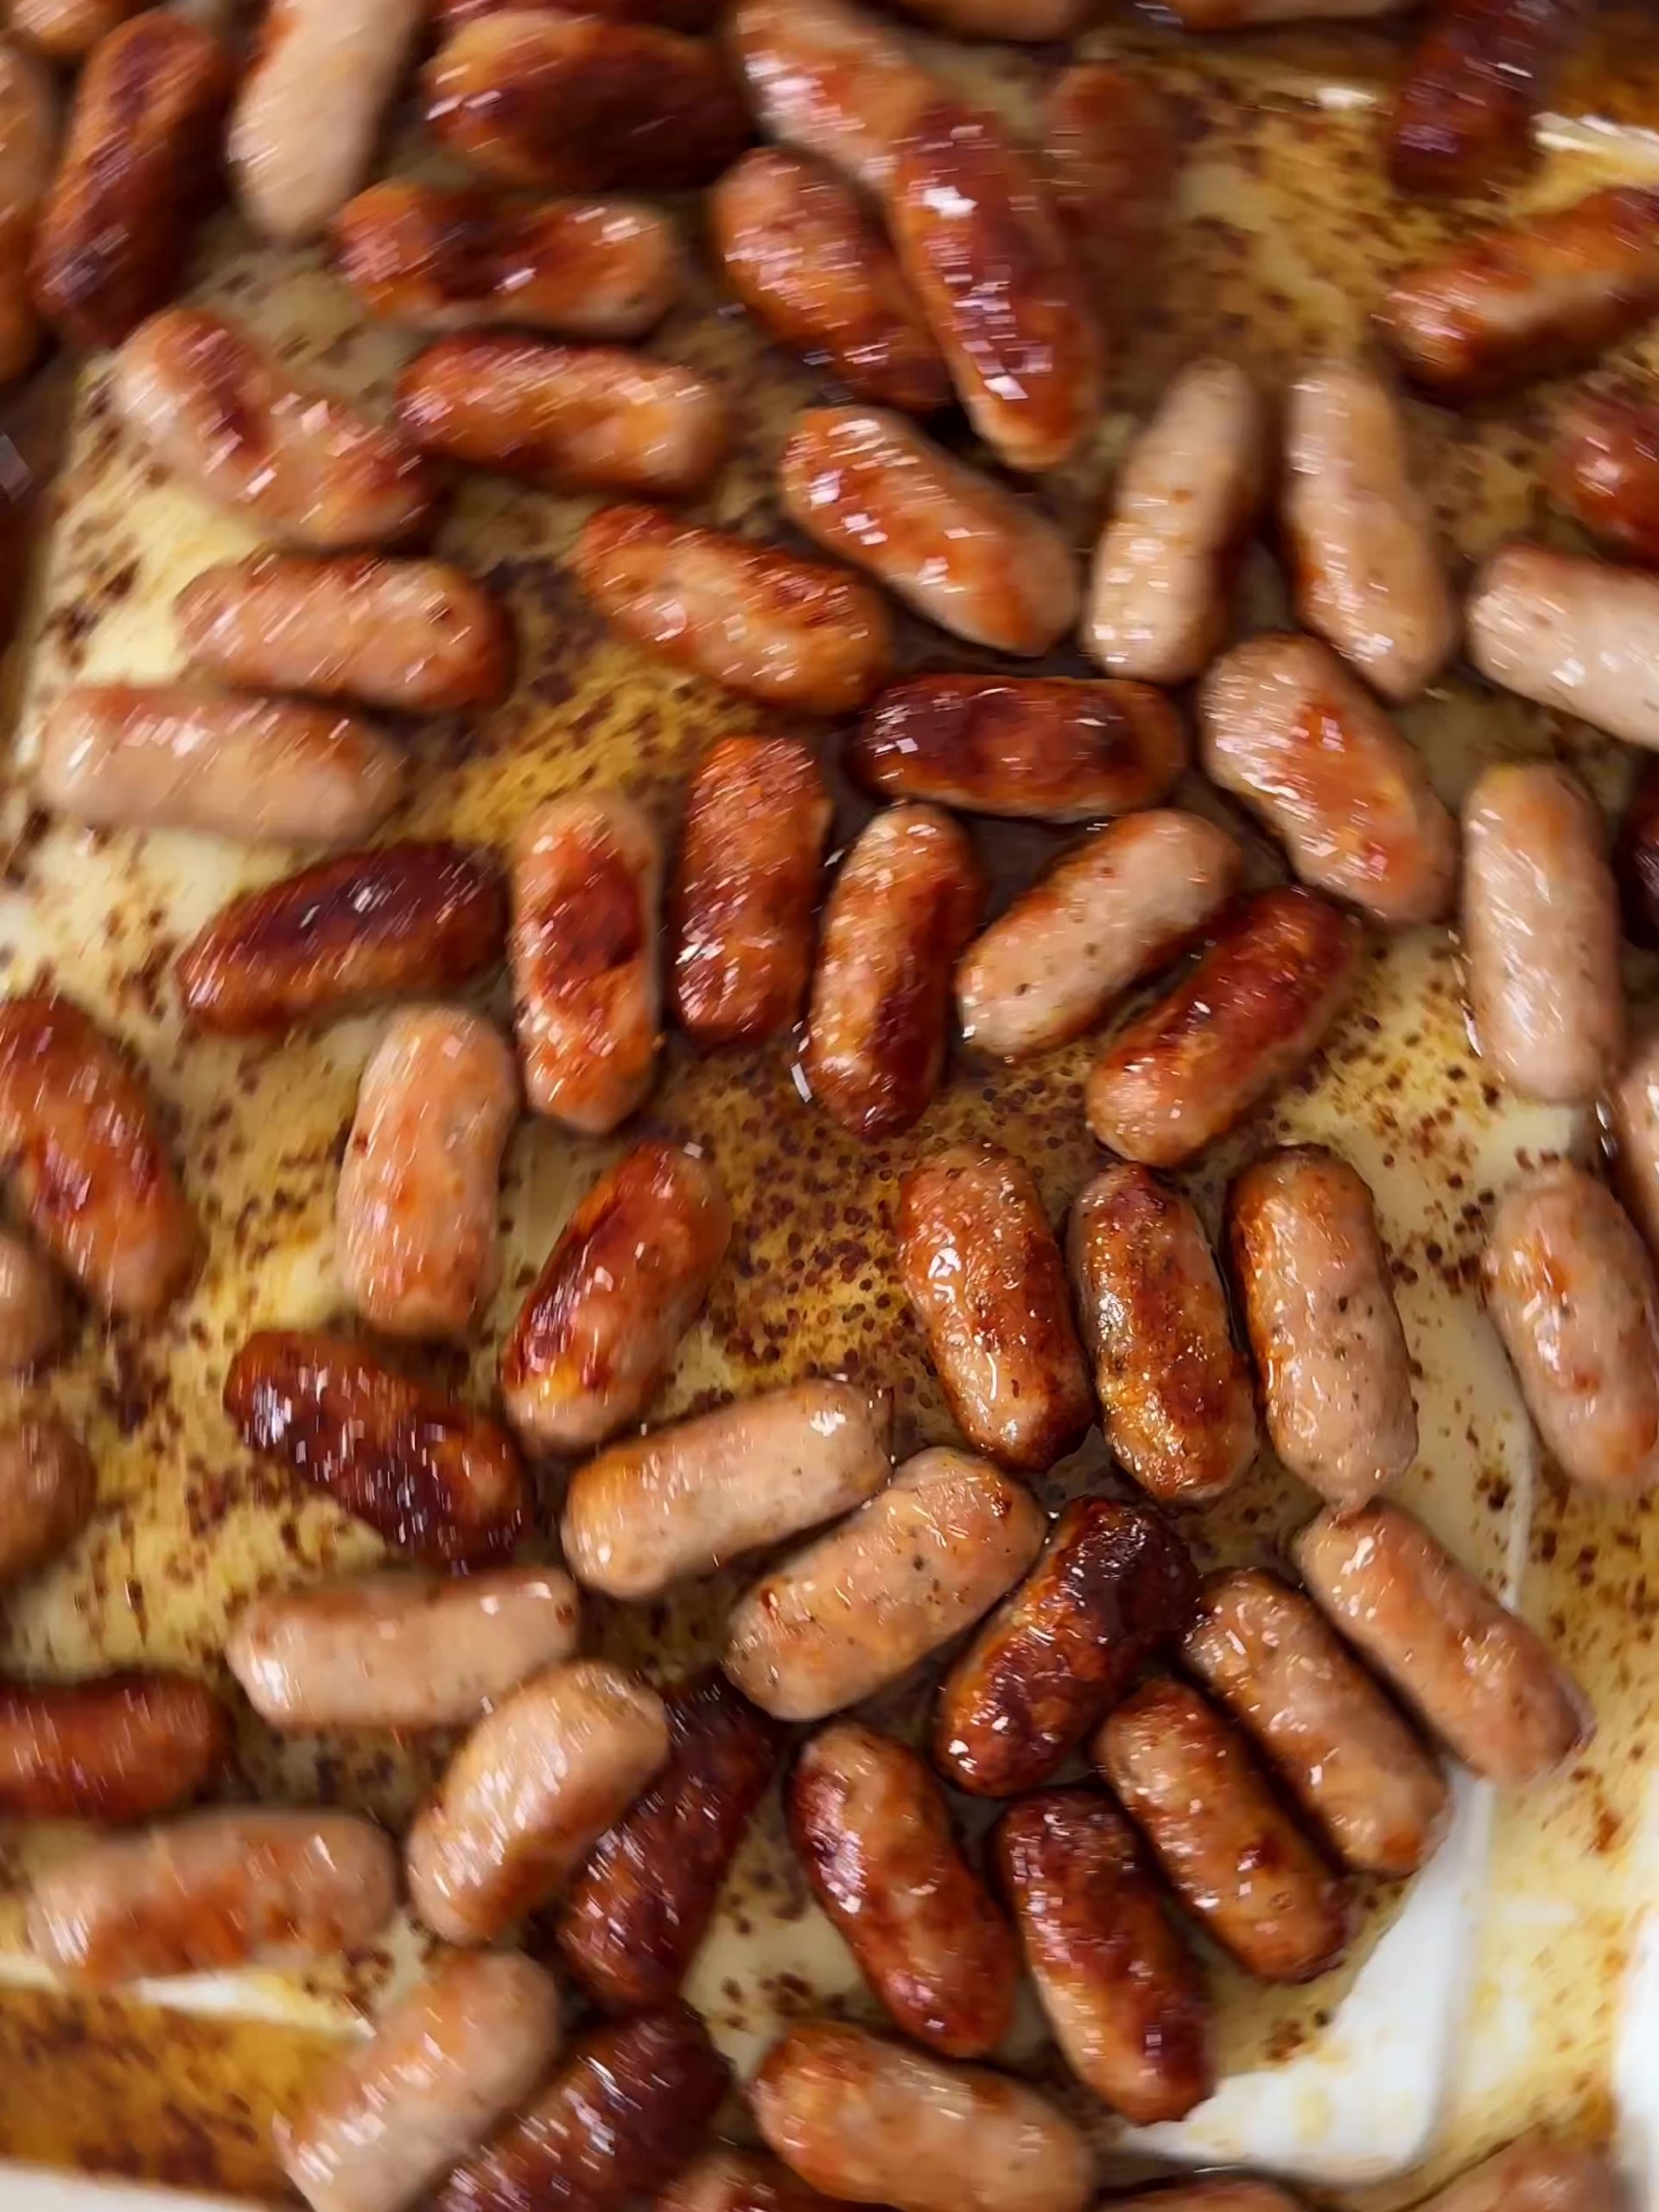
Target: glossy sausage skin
436 1479
1352 1763
1605 471
1122 904
79 1144
568 418
1541 933
414 1214
789 632
48 1488
448 15
211 1890
587 971
1578 636
872 1831
35 1317
1324 1329
579 104
440 259
1109 155
29 149
1480 1678
221 412
957 547
831 81
450 2058
979 1264
1479 75
601 1324
687 1500
1632 1119
67 30
1044 748
723 2180
642 1904
115 1749
907 900
344 935
1535 2173
1125 1997
1570 1289
417 636
399 1650
917 1564
810 262
1114 1582
138 171
1237 1861
1243 1023
528 1794
867 2120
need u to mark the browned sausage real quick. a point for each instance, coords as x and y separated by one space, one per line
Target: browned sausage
831 81
1535 2173
434 1479
723 2180
1604 470
346 934
1114 1583
1631 1116
1240 15
1174 1392
579 104
1047 748
1237 1861
35 1317
1123 1994
603 1320
810 261
642 1904
789 632
1578 636
1248 1017
906 901
48 1488
983 1274
138 169
69 30
871 1828
79 1144
1110 148
448 15
1480 73
29 153
1034 21
115 1749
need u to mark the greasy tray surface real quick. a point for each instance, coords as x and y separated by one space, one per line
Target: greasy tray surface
1284 235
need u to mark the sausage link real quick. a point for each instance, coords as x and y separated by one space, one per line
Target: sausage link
28 151
687 1500
139 168
1251 15
1114 1582
979 1264
35 1316
812 264
872 1831
1247 1019
1122 904
745 890
723 2180
1337 1743
220 411
1183 507
587 979
579 104
1632 1120
1043 748
440 259
448 16
981 246
862 2118
1033 21
601 1323
470 2040
789 632
342 936
1578 636
1237 1861
1570 1289
436 1479
1541 933
212 1891
1242 2194
115 1749
1535 2173
956 546
1474 1672
629 2105
1109 155
1325 1331
48 1488
907 900
417 636
400 1651
1604 470
1481 72
1123 1993
1528 299
528 1794
641 1906
67 30
922 1560
79 1144
831 81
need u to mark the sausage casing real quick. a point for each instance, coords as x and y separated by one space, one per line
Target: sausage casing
1632 1119
1110 147
48 1488
67 30
831 81
115 1749
28 151
1604 470
35 1317
1480 73
1578 636
723 2180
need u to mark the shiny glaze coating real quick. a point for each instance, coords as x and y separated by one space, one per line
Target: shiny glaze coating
832 81
28 156
1110 148
48 1488
1631 1112
1480 73
1576 635
1604 470
1535 2173
35 1317
114 1748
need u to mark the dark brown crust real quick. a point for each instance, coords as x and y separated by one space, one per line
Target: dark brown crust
1111 145
1605 470
1480 73
122 1747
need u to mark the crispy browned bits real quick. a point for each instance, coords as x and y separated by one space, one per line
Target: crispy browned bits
114 1749
1112 1584
1604 470
48 1488
436 1479
1480 73
1110 148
